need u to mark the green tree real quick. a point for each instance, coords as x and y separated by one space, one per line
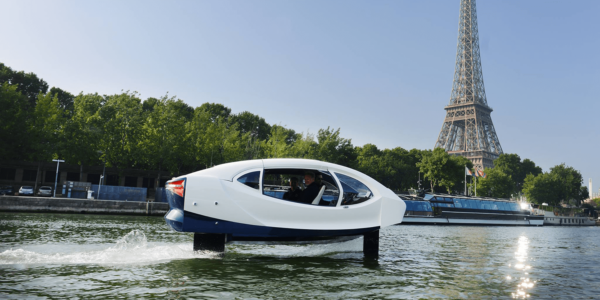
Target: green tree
225 140
584 194
395 168
542 189
568 182
149 104
196 131
331 147
216 111
304 146
120 123
369 160
496 184
214 139
163 142
253 124
528 167
278 143
45 127
412 177
45 130
561 185
443 170
65 100
433 166
13 124
511 165
27 83
82 131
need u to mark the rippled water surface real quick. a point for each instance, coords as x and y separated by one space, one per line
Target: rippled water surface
52 256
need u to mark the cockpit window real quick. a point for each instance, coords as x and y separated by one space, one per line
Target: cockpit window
354 191
251 179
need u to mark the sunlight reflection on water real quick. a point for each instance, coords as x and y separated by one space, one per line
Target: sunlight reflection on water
521 255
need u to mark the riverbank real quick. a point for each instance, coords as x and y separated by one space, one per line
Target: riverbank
81 206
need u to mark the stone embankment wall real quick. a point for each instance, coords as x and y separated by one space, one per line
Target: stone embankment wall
85 206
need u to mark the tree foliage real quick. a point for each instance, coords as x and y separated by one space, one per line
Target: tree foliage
28 84
511 165
561 185
496 184
168 135
119 122
13 124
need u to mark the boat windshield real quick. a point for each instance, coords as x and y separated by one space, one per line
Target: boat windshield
354 191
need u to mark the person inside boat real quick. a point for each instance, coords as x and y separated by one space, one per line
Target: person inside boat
312 188
294 192
319 179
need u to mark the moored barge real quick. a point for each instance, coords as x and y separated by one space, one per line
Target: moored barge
559 216
440 209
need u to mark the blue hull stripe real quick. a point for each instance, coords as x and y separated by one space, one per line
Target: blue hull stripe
237 231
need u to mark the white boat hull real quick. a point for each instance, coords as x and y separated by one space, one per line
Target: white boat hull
215 202
550 219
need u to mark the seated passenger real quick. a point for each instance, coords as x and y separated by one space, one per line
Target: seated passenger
294 192
312 188
319 179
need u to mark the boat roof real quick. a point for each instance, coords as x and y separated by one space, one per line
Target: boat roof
228 171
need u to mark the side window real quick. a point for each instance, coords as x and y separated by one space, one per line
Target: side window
251 179
354 191
291 185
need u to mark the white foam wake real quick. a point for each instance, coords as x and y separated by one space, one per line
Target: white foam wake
133 248
298 250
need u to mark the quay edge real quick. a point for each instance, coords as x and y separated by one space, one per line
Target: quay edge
81 206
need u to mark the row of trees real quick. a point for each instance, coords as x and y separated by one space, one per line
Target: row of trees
512 177
165 134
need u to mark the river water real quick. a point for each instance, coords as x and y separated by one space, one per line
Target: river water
55 256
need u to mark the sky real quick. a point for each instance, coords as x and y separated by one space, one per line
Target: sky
381 71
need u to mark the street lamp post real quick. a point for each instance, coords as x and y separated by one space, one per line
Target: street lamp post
58 161
99 186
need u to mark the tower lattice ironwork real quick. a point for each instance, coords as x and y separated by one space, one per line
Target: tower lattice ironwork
468 129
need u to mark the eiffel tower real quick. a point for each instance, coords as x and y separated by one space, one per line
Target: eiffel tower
468 129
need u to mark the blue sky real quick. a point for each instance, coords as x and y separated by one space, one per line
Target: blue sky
380 70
